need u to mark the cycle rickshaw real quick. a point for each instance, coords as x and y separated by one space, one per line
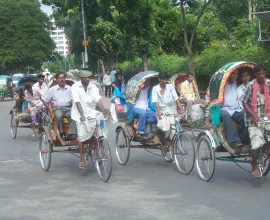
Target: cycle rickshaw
180 148
211 143
97 148
20 115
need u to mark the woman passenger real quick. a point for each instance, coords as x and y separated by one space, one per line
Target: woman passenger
34 105
118 102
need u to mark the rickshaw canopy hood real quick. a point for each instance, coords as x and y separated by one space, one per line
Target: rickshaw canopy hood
219 80
135 82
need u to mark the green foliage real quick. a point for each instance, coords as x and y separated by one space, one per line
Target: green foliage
25 39
53 68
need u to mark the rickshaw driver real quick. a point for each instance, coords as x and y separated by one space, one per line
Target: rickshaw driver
188 94
230 112
256 102
142 109
165 98
61 98
40 86
86 97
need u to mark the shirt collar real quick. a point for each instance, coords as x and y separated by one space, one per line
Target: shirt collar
89 85
187 82
58 87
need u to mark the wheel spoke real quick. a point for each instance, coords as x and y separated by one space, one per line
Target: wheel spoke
184 153
205 161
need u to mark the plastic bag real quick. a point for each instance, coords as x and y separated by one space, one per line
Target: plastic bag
164 124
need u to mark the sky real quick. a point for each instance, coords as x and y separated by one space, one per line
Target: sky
46 9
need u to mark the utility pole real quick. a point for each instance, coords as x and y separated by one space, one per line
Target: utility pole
85 42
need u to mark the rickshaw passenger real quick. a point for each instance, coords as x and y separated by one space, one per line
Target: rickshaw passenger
61 98
141 107
86 97
245 76
256 102
188 93
230 112
40 85
20 91
118 102
35 105
166 99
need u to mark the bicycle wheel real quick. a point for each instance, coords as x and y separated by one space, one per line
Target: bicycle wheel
45 151
13 126
102 158
264 163
122 147
183 153
205 160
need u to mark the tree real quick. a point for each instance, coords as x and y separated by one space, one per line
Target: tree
186 5
24 35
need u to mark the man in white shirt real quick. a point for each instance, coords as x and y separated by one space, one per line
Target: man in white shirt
165 98
85 98
141 107
60 97
40 87
245 76
231 111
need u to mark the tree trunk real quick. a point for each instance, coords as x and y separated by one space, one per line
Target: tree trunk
250 10
145 61
102 66
191 63
135 64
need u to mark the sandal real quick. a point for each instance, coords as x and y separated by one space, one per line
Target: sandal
82 165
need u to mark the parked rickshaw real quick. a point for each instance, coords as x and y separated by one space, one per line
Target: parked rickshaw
5 87
180 148
210 143
20 115
97 148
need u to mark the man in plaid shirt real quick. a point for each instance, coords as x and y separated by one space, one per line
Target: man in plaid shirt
256 101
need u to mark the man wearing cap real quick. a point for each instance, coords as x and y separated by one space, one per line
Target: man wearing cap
61 99
40 87
85 97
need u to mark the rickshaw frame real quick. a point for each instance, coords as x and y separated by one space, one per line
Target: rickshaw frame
170 150
216 142
15 121
95 148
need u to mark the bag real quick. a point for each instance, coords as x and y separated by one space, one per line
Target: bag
119 108
164 124
197 112
25 107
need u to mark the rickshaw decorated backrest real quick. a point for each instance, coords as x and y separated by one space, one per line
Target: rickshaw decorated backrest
178 79
219 80
137 80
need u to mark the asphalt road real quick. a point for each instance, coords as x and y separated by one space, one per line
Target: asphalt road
146 188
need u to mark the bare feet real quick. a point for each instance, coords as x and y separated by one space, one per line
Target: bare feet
82 164
256 173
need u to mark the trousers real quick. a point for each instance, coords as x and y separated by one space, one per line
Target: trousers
230 129
144 116
59 114
189 104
